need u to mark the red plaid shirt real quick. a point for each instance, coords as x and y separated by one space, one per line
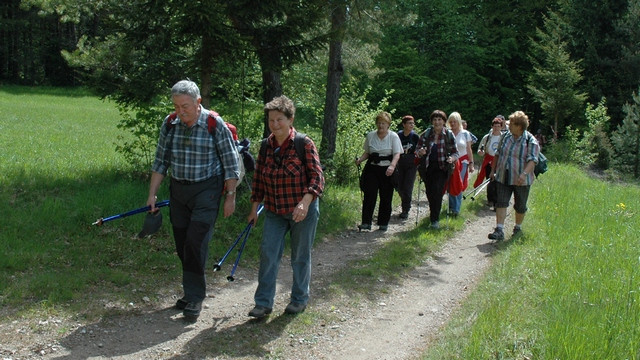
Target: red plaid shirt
281 179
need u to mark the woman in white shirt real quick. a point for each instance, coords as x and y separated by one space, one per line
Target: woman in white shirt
463 144
382 149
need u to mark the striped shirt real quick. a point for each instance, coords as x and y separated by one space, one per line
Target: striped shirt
193 153
513 155
281 179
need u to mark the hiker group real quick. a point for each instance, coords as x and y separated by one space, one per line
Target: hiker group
205 160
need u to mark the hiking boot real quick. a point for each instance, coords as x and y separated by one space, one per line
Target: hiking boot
181 304
497 234
404 215
383 227
435 225
517 231
294 308
259 312
364 227
192 311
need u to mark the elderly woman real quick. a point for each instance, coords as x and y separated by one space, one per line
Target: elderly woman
463 144
382 149
289 187
436 153
406 166
512 169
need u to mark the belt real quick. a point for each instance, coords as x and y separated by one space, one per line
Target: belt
186 182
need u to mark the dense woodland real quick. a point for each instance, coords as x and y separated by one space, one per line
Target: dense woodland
563 62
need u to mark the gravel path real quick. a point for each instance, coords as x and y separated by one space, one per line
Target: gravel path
397 324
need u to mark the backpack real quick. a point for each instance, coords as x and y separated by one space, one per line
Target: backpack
298 142
242 147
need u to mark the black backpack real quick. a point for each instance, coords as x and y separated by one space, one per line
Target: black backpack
298 142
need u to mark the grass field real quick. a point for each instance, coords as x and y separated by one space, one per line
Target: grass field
568 289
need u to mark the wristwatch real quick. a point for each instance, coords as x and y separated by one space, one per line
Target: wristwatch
230 192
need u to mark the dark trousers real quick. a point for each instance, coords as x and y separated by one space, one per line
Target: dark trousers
407 178
377 182
434 180
194 210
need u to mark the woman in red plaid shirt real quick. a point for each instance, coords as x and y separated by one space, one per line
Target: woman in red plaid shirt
290 188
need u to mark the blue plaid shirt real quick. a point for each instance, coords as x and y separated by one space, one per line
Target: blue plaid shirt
195 155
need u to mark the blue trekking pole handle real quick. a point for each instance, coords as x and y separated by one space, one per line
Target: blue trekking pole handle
128 213
241 249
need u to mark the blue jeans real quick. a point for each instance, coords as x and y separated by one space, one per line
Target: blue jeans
455 202
273 238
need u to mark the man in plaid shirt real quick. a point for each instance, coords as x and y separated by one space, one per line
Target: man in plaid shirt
203 165
290 188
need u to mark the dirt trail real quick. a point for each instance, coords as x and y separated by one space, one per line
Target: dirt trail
395 325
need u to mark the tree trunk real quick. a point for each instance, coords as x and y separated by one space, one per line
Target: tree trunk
271 66
334 75
206 68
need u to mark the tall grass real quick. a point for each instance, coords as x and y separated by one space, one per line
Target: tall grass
59 173
568 289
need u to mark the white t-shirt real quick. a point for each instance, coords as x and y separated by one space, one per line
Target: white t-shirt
462 139
389 145
492 144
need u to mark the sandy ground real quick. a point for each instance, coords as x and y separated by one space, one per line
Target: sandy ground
396 324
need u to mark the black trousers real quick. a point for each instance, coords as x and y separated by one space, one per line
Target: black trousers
407 171
434 180
194 210
377 183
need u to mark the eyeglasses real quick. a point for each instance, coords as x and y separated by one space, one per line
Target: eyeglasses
276 156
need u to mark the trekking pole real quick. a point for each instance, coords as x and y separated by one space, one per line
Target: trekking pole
217 266
128 213
473 192
480 188
418 204
241 249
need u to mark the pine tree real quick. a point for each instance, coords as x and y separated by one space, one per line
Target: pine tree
626 139
554 80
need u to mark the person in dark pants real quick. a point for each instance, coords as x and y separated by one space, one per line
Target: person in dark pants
406 165
290 188
487 149
382 149
436 152
204 169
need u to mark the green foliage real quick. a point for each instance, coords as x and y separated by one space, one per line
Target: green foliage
356 119
626 139
555 76
143 124
593 146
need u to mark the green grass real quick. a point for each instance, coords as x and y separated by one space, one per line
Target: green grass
568 289
60 173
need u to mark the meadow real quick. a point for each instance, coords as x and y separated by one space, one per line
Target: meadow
568 289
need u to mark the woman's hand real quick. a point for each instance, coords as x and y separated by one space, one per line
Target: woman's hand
390 170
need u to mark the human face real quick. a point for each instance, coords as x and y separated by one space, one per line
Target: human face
496 128
188 110
279 124
382 126
454 125
408 125
516 130
438 123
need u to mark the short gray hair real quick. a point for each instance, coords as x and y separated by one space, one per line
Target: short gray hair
186 87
